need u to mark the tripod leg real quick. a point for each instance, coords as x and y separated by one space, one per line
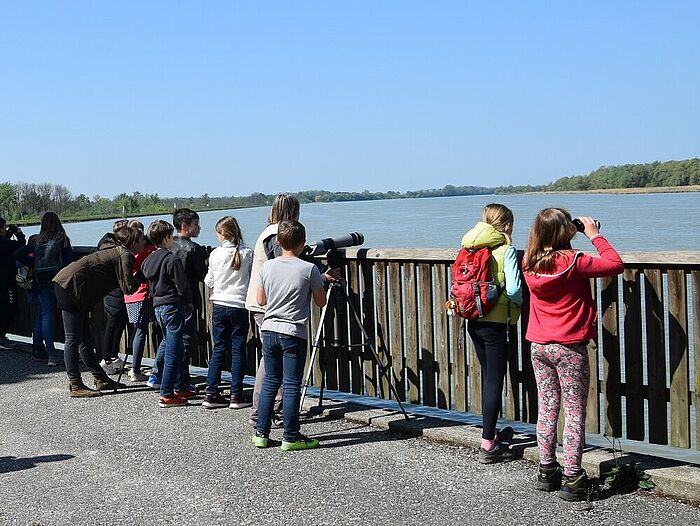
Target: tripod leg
314 350
384 369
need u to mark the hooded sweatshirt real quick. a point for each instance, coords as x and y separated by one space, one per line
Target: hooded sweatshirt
504 269
166 278
562 308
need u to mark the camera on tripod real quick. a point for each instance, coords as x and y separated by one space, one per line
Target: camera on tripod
330 245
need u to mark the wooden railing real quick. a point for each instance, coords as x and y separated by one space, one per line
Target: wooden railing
645 371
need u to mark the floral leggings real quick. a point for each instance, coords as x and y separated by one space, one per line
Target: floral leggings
561 369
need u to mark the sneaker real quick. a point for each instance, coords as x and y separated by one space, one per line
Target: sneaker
499 453
277 421
574 488
214 401
171 401
185 394
505 435
77 389
153 382
53 362
5 344
260 440
118 364
107 384
548 479
136 376
39 353
238 402
107 367
300 443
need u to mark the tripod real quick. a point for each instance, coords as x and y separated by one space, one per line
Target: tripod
335 294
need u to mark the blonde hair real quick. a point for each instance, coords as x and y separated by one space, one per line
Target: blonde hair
499 217
228 227
285 207
550 235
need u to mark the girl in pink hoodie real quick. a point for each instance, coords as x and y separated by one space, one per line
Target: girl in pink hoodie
562 320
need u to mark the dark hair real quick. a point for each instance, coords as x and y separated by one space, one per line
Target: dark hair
285 207
550 235
118 224
51 227
228 227
159 230
183 217
128 236
290 234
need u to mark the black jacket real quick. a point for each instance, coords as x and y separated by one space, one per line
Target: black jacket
166 278
194 261
8 267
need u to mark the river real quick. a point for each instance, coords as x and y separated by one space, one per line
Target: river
632 222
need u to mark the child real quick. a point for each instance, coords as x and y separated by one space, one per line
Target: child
286 285
194 260
490 333
563 319
228 275
139 309
172 300
47 253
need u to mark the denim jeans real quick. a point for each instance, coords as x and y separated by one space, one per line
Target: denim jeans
171 319
189 338
285 357
46 299
138 343
230 330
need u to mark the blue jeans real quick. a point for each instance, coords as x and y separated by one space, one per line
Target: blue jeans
230 330
171 319
285 357
46 315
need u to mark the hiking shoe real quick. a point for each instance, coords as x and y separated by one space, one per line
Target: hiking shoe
301 442
185 394
575 487
153 382
107 384
499 453
171 401
214 401
505 435
260 440
136 376
238 402
548 479
107 367
80 390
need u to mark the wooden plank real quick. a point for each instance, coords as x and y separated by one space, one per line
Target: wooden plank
678 358
369 319
411 320
656 356
317 375
593 404
476 394
459 352
444 399
382 341
695 287
511 410
343 356
355 336
634 359
395 330
612 388
529 386
426 333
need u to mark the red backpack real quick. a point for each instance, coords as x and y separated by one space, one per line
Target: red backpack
474 292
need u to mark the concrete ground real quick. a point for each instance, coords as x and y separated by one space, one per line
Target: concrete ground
119 459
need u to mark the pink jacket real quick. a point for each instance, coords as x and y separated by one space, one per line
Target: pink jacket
142 293
562 309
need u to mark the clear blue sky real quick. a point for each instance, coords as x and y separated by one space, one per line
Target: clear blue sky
229 98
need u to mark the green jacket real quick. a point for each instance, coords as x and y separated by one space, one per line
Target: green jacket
485 235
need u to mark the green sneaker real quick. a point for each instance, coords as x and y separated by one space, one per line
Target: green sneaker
260 440
300 443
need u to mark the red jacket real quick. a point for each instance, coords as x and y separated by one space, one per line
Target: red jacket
142 293
562 309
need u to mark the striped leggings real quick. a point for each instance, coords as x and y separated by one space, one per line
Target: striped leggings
561 370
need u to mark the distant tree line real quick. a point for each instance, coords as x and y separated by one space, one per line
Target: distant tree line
25 202
650 175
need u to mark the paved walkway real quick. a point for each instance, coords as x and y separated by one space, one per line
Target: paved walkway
121 460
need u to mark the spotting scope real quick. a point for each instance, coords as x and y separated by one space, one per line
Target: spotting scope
324 245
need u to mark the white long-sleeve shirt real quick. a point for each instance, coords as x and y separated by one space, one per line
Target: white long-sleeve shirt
230 286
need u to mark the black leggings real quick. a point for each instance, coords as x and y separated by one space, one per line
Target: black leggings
113 334
491 345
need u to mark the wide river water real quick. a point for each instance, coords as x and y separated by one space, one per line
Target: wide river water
632 222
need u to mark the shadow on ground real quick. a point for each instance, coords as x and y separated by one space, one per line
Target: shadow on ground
8 464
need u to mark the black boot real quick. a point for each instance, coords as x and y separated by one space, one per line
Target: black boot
39 352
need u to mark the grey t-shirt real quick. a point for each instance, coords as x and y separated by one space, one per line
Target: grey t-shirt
288 282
